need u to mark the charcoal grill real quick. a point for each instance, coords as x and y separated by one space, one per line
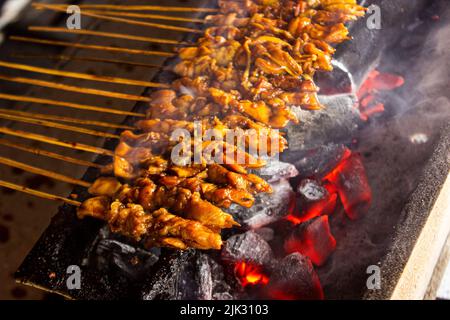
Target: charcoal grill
403 232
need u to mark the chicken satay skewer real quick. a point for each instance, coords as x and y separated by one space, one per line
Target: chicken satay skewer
55 141
65 104
167 230
106 34
135 7
83 58
66 119
37 193
91 46
146 16
49 154
57 125
43 172
71 88
122 20
83 76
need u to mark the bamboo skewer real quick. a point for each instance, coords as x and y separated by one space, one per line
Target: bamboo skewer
67 105
105 34
65 87
92 47
66 119
92 59
135 7
43 172
49 154
54 141
84 76
122 20
146 16
37 193
56 125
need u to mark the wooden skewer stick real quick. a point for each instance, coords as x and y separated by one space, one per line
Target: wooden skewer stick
145 16
49 154
134 7
43 172
37 193
54 141
67 104
84 76
65 87
105 34
57 125
66 119
92 59
92 47
123 20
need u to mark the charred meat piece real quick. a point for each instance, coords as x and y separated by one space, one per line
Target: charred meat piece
251 72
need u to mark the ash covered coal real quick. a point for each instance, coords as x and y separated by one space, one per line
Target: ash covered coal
267 208
316 162
336 122
110 253
311 190
276 170
294 278
249 247
186 275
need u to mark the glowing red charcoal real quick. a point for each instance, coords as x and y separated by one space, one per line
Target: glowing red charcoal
249 274
314 199
350 180
312 239
367 94
294 278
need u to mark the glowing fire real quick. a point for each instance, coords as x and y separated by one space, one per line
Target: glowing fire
376 81
250 274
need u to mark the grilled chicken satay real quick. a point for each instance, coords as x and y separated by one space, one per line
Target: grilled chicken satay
255 135
158 228
296 45
173 195
134 152
255 62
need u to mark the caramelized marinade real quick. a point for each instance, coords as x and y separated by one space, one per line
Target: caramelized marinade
255 60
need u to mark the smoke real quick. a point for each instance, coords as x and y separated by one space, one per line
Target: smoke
434 82
427 96
10 12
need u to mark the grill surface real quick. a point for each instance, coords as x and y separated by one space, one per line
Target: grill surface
395 168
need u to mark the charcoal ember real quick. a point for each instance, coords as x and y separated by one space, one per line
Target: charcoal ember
211 279
164 279
186 275
311 190
247 246
350 180
314 200
110 253
362 54
336 122
294 278
275 170
267 208
338 81
221 290
131 260
317 162
203 277
266 233
312 239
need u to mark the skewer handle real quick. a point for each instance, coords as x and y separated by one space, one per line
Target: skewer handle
37 193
